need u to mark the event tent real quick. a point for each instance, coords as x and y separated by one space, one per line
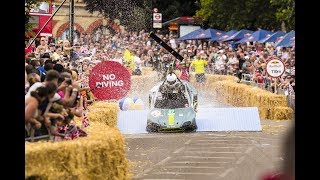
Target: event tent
223 36
287 41
191 35
208 34
256 36
239 35
273 38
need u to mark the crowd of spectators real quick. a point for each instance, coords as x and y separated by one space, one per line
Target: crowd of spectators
57 71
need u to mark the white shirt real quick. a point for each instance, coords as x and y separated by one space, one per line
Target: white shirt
119 60
137 62
173 43
35 87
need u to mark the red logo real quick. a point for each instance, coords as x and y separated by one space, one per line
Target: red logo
247 34
155 10
218 33
109 80
201 35
224 37
279 38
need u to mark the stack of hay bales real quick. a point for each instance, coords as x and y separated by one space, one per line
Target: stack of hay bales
144 82
227 90
104 112
101 155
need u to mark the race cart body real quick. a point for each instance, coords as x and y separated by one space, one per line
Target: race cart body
173 111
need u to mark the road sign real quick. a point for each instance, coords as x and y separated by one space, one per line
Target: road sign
155 10
275 68
157 17
157 20
109 80
157 25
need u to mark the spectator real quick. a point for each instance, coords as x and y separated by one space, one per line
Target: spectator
184 66
31 106
199 67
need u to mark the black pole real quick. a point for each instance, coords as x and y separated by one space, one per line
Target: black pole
151 28
46 23
71 28
165 46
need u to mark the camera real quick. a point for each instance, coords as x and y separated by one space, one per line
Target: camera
69 82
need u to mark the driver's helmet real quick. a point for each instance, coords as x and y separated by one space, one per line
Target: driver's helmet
171 78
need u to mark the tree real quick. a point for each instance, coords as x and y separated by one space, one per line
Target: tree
29 4
238 14
125 10
137 14
285 12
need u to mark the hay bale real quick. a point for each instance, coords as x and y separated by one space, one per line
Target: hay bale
263 112
101 155
104 112
104 104
281 113
144 82
229 92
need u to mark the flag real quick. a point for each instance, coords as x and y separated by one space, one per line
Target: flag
85 121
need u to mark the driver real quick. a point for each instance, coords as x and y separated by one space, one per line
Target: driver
172 85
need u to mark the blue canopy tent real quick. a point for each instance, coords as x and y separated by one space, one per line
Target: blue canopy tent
256 36
208 34
191 35
239 35
223 35
273 37
288 40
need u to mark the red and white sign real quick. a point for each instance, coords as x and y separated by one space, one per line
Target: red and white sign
275 68
109 80
157 20
155 10
157 17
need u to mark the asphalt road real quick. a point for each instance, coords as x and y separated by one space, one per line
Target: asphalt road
205 155
210 155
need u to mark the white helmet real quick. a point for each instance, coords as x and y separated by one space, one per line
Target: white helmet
171 78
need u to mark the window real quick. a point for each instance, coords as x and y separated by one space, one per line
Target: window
42 8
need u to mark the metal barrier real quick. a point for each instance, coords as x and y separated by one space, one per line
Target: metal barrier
31 132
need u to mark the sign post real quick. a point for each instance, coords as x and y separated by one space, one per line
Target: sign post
275 68
157 20
109 81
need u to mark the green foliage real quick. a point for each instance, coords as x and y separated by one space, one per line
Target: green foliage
244 14
137 14
29 4
285 12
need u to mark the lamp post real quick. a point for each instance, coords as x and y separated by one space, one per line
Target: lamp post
71 26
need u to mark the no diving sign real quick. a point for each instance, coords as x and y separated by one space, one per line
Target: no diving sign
157 17
157 20
275 68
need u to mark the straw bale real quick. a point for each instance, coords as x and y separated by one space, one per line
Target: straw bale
146 81
263 112
104 112
101 155
273 129
281 113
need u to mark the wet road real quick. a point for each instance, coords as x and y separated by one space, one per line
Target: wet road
204 155
209 155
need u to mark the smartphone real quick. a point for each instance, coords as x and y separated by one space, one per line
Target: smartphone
69 82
